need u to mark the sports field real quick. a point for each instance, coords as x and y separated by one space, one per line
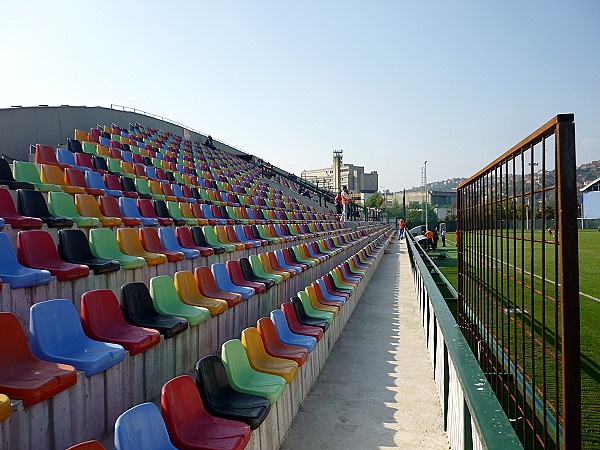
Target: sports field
589 286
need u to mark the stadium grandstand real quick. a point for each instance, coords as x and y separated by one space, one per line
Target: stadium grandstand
161 289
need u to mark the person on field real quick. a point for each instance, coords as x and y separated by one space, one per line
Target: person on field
443 235
429 237
436 238
345 202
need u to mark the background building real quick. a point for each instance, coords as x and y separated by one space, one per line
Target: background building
340 174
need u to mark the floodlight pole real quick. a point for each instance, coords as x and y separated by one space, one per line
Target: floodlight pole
426 200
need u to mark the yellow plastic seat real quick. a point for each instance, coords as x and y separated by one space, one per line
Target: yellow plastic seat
4 407
53 175
261 361
155 189
188 291
128 169
314 302
266 263
81 136
130 244
102 150
186 212
222 237
87 206
340 277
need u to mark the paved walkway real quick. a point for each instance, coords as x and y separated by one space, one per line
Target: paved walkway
376 390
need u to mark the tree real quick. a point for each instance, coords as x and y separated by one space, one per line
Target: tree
394 209
414 215
375 200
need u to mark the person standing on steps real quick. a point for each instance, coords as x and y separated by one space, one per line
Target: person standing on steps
345 202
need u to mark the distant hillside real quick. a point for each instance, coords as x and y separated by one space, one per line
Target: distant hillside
585 173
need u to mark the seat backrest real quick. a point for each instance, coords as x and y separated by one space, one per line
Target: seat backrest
54 324
44 154
13 345
129 207
111 182
100 310
136 303
104 240
84 160
181 404
109 206
75 177
24 171
7 206
8 262
51 174
128 184
75 144
235 360
129 241
61 204
87 206
146 208
211 377
65 157
73 245
35 246
163 292
94 180
161 209
168 238
142 427
5 172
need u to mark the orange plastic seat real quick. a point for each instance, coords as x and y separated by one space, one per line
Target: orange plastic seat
103 150
87 206
5 407
190 294
81 136
221 233
44 154
266 263
130 244
261 361
54 175
186 212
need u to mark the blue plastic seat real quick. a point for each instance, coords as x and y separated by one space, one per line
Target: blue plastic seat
209 215
219 271
169 241
326 293
56 335
177 192
286 336
151 173
127 156
14 273
95 180
67 157
105 141
239 232
129 209
142 427
283 264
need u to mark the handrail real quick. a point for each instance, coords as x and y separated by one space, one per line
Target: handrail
491 423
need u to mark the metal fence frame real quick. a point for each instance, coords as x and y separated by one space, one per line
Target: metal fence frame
497 243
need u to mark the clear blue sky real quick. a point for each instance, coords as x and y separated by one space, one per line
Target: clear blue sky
392 83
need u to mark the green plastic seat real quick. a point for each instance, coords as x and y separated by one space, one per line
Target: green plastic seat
61 204
104 245
114 166
166 301
173 208
234 216
299 257
339 283
204 195
244 378
312 312
134 149
211 239
263 234
179 178
156 163
142 187
260 272
89 147
25 171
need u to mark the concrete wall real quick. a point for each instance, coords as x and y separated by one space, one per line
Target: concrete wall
22 127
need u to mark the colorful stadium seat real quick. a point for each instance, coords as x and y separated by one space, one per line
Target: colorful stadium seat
304 318
130 244
235 274
129 208
32 203
57 336
24 171
61 204
36 249
76 177
24 376
186 240
190 294
273 345
169 241
191 427
95 181
74 247
10 215
166 301
138 309
87 205
286 336
14 273
146 208
261 361
208 287
221 400
104 245
109 206
53 175
7 178
102 320
142 427
219 271
151 242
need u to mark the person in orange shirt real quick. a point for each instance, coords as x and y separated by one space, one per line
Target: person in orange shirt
401 227
429 236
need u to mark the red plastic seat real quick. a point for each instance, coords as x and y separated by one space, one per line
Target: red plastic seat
321 297
36 249
331 290
275 265
208 287
299 328
102 320
112 182
88 445
147 210
274 347
186 240
237 277
109 206
75 177
10 215
23 376
233 238
45 154
151 242
197 212
191 427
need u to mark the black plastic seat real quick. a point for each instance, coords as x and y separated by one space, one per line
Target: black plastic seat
170 177
221 400
249 274
74 247
129 185
160 207
147 160
196 193
338 288
7 179
224 213
200 240
138 310
32 204
303 318
99 163
74 145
